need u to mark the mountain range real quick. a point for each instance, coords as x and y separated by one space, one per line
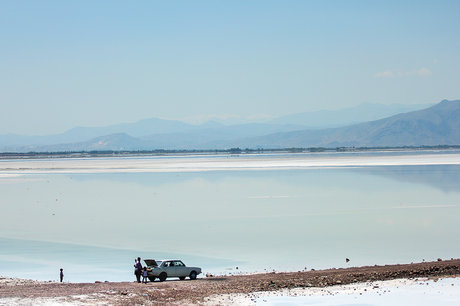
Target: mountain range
436 125
365 125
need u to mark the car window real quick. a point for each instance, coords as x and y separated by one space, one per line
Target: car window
179 264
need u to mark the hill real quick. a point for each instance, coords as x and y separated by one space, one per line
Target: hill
436 125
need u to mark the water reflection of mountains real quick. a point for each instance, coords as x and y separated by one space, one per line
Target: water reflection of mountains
443 177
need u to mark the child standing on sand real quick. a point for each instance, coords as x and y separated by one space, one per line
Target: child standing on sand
144 275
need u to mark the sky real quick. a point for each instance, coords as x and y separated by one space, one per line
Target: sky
93 63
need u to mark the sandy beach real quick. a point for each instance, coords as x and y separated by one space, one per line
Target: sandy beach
241 289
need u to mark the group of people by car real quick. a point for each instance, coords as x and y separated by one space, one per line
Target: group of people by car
140 271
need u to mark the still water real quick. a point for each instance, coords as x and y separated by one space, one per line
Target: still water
92 217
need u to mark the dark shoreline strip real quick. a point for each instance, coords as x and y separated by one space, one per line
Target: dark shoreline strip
188 292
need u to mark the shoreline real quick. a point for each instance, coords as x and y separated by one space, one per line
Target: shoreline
204 290
219 152
185 164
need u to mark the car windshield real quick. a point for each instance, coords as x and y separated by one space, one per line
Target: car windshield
159 262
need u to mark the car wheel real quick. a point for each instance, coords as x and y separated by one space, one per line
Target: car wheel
193 275
152 278
182 277
163 276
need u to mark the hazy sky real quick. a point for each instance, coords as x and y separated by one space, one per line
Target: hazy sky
91 63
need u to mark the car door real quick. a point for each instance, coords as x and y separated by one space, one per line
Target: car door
181 269
170 269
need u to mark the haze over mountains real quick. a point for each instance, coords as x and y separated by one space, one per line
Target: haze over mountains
436 125
379 125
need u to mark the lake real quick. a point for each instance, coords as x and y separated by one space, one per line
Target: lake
226 213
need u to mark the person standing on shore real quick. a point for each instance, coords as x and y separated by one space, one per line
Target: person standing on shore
138 269
145 275
135 265
61 275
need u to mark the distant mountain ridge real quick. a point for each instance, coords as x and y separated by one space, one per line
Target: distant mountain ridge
436 125
347 116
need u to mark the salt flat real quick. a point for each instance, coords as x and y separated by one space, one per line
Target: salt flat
443 292
220 163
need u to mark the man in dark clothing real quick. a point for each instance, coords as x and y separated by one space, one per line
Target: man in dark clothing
138 269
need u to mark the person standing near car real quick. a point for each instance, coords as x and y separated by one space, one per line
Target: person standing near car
138 269
145 275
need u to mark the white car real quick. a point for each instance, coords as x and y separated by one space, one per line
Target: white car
170 268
